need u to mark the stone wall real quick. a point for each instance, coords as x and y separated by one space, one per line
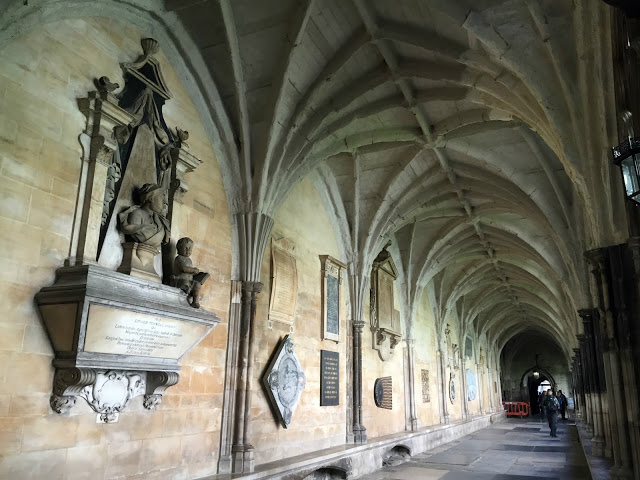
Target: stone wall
426 347
549 357
303 221
380 421
41 75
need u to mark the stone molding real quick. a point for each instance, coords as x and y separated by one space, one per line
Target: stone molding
109 381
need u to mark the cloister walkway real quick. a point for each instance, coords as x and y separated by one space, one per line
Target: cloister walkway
510 450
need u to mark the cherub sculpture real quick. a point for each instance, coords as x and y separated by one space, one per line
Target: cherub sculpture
186 277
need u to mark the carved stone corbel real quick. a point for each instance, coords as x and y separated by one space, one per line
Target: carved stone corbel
108 392
382 335
157 383
67 385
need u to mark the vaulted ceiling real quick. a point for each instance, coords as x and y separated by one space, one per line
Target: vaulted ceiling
472 133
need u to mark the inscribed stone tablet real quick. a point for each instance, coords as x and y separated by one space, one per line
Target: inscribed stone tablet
385 300
468 347
333 317
426 397
472 387
122 332
329 378
284 287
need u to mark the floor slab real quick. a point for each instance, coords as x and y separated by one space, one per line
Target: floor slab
516 449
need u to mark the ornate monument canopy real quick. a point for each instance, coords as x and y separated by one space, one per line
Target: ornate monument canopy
385 319
284 381
117 328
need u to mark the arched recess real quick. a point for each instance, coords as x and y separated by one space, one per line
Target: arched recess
539 369
176 44
79 60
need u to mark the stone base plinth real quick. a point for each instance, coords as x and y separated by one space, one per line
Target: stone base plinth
243 460
138 260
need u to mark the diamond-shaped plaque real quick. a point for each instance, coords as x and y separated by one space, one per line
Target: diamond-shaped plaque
284 381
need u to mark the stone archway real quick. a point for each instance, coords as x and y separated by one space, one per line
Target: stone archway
529 385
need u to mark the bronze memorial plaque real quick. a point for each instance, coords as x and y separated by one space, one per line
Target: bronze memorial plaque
124 332
329 378
383 393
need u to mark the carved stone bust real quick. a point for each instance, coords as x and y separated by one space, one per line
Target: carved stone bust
145 223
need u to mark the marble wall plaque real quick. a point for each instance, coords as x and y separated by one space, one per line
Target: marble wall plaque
333 320
284 283
329 378
472 386
284 381
385 301
452 388
385 320
383 393
124 332
426 397
468 347
331 271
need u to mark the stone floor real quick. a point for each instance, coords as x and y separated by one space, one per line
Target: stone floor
511 450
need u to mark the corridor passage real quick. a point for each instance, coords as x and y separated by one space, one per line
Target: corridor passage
511 450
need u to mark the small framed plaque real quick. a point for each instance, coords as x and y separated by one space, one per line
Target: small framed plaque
426 397
329 378
383 393
331 280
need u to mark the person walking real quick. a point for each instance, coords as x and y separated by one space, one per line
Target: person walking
541 406
551 406
562 400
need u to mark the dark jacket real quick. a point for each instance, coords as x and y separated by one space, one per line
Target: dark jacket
551 404
562 400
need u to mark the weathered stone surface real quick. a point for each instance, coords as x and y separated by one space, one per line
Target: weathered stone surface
40 158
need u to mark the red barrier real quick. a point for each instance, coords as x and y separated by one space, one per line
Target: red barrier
516 409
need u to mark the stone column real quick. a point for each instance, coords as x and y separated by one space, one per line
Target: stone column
622 467
584 362
99 168
242 450
359 431
251 235
442 391
597 442
410 390
578 392
463 383
490 387
230 379
612 272
357 292
479 384
630 351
